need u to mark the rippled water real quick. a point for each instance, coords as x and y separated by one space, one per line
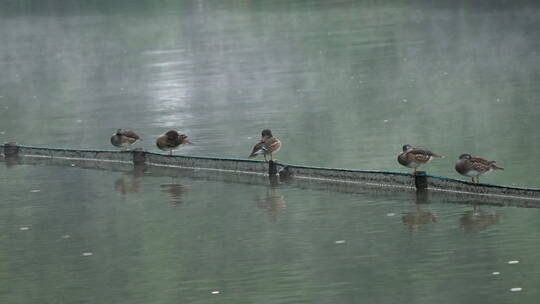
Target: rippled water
74 235
341 83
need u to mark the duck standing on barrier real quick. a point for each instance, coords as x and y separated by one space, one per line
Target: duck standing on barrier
412 157
473 167
268 145
171 141
122 138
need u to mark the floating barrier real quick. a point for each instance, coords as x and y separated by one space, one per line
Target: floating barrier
421 185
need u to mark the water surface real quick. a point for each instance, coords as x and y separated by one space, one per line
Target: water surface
341 83
71 235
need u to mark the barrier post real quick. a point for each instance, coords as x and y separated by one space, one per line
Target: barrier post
272 168
139 157
420 180
11 149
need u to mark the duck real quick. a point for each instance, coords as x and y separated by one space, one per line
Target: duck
171 140
473 167
124 137
267 145
412 157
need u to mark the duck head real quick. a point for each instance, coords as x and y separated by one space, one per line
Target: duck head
407 148
172 135
266 133
465 156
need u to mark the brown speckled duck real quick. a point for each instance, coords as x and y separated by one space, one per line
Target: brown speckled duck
412 157
268 145
171 140
473 167
122 138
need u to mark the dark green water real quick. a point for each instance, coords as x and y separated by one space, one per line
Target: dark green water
341 83
171 240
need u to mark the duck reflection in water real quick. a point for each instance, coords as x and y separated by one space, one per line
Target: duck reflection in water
271 202
415 220
175 191
476 220
130 182
127 184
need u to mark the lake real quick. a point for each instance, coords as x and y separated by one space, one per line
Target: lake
342 83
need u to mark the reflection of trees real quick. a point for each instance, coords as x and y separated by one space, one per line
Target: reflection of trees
473 221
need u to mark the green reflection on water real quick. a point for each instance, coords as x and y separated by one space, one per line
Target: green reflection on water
343 84
168 239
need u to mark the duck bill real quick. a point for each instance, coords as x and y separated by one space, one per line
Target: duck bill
188 142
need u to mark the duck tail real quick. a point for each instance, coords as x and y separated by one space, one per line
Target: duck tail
260 151
493 166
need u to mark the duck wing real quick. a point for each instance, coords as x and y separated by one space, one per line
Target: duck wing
424 152
163 143
482 165
130 134
259 148
420 155
272 144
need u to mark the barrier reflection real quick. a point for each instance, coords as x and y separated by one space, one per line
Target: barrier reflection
271 202
383 184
